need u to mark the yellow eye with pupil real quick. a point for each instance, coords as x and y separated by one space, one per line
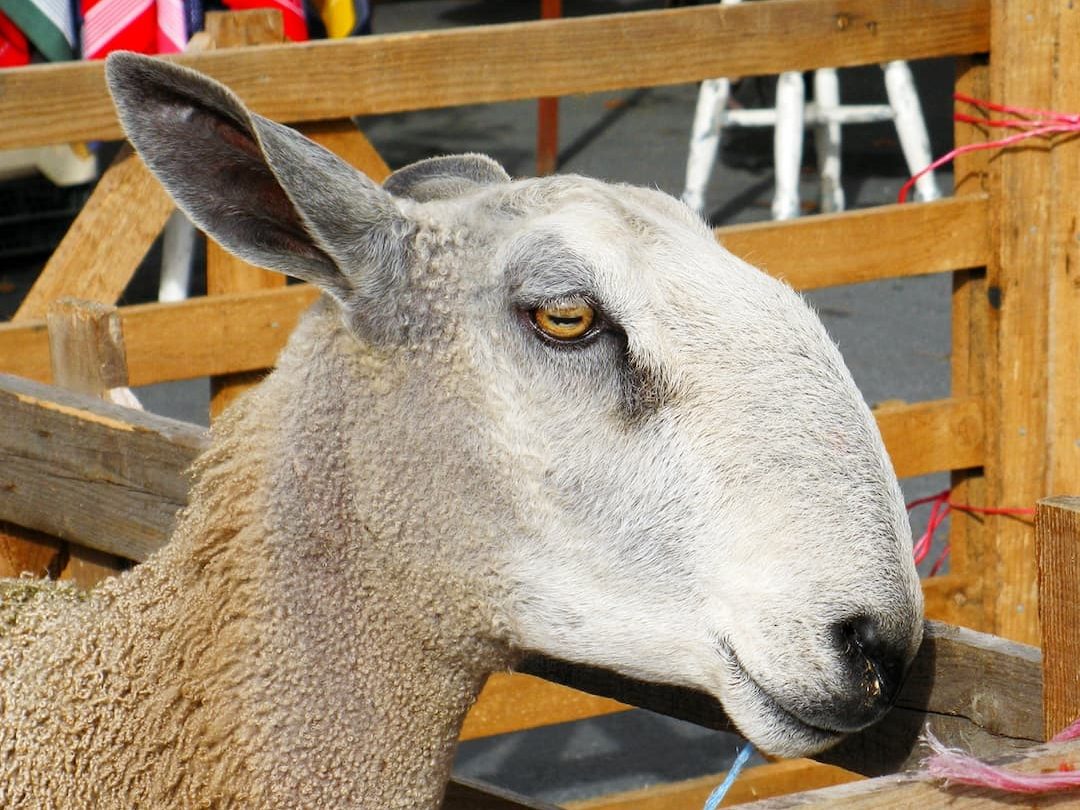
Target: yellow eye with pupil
568 322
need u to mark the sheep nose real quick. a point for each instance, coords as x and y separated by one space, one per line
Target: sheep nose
876 662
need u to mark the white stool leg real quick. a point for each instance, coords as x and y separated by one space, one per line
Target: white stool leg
827 139
787 144
705 140
910 126
177 248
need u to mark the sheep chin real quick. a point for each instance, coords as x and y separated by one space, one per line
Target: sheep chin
761 719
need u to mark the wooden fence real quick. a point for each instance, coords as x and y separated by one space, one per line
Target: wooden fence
1009 433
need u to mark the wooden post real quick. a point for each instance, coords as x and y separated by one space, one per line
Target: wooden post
547 111
86 349
972 553
1034 215
1063 362
1057 531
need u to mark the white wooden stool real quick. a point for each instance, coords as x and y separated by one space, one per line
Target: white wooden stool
791 115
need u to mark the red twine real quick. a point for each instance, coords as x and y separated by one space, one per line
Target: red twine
1033 124
942 506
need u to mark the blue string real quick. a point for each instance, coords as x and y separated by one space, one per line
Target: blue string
718 795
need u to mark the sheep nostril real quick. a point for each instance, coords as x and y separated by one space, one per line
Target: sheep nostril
876 662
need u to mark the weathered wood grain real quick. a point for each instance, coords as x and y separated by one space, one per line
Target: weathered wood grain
1057 546
108 477
86 346
890 241
319 80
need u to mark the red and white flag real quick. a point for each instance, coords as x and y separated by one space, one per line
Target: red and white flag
110 25
14 49
171 26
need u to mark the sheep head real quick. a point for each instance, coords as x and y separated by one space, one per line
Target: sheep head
701 496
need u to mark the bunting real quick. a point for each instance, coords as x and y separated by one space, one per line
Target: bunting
48 24
171 26
111 25
14 49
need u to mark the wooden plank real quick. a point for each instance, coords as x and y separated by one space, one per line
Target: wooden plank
108 239
753 784
916 791
1057 532
972 549
237 29
318 80
892 241
974 689
1026 39
25 551
513 701
86 347
180 340
469 794
94 473
207 336
939 435
948 598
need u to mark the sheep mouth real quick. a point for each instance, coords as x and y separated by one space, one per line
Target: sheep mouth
791 735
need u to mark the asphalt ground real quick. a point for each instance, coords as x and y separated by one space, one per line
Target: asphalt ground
894 334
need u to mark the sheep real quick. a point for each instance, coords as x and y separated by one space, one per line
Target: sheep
545 415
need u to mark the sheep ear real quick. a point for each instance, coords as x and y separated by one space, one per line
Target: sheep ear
262 190
444 177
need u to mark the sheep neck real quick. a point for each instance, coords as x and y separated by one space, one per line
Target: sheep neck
373 642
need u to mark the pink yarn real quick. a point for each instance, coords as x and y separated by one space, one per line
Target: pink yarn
1034 124
1071 733
957 767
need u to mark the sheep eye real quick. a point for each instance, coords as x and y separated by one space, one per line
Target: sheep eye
565 322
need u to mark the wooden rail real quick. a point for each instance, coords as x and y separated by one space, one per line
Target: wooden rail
362 76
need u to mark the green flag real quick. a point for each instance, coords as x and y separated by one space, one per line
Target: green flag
48 24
